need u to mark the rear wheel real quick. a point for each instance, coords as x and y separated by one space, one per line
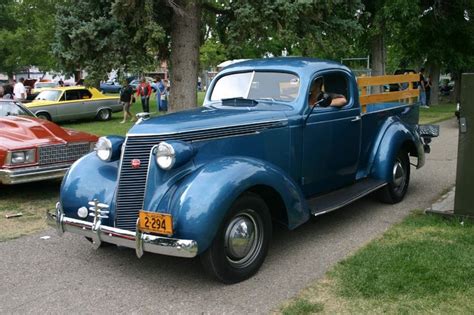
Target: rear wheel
104 114
396 189
44 116
242 241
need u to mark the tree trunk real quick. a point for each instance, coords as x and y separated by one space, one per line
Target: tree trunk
456 94
434 75
378 59
184 55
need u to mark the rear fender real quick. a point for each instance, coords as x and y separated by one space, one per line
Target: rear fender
395 137
201 200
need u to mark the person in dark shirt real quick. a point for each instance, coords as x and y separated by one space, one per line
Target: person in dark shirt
317 92
126 98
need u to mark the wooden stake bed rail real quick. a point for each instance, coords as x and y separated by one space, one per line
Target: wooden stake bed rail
407 94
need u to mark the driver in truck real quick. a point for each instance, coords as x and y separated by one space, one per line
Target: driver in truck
317 92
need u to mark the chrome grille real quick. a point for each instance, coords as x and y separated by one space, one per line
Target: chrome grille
132 181
62 153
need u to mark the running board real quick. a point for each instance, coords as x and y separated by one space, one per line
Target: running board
344 196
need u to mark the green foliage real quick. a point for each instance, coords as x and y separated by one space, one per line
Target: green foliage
26 30
211 54
310 28
98 36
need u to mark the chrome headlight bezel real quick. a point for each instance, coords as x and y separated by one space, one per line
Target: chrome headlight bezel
21 157
103 149
165 156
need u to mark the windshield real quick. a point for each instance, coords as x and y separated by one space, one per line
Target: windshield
50 95
278 86
40 85
13 109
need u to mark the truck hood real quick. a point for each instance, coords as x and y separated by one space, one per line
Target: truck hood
205 118
26 132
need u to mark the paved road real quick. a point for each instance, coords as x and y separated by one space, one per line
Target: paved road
65 274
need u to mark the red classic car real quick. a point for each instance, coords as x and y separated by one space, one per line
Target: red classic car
33 149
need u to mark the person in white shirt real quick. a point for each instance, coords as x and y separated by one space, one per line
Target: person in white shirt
19 90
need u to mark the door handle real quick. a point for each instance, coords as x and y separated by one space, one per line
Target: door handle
357 118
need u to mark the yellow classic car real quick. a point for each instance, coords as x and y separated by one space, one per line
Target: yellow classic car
72 103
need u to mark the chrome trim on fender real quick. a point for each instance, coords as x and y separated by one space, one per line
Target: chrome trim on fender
278 123
32 174
139 241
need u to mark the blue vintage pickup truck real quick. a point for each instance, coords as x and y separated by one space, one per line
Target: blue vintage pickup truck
263 149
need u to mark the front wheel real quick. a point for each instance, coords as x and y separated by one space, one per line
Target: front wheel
396 189
242 241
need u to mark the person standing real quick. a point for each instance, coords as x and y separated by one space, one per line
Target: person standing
160 93
421 87
126 98
428 91
144 91
19 91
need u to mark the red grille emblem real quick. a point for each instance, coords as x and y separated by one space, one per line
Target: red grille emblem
136 163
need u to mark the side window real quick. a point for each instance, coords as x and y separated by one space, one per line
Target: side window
85 94
72 95
335 84
63 97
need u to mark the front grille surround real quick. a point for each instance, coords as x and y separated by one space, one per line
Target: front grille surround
60 153
132 182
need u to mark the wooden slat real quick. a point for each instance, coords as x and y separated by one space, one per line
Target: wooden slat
385 97
387 79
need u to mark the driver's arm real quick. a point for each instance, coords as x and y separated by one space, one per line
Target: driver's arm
338 100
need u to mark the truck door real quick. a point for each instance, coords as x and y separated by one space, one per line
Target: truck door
331 136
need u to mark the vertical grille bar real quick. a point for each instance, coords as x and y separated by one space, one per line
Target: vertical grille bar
132 182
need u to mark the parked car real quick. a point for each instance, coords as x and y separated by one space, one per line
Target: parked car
32 149
41 85
72 103
110 87
135 83
210 181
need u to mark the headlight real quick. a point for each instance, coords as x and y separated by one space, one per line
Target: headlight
23 157
103 148
165 156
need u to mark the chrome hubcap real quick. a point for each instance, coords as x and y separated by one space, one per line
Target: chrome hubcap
243 239
398 174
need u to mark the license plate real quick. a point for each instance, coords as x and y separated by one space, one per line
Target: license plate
156 222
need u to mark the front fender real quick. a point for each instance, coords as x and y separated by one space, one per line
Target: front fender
396 136
201 200
87 179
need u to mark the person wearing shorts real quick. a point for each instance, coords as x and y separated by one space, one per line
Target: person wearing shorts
126 97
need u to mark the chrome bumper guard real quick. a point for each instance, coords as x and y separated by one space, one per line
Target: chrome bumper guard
99 233
32 174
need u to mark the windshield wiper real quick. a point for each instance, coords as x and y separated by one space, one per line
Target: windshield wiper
239 101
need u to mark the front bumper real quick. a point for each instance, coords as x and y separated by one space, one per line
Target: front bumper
32 174
141 242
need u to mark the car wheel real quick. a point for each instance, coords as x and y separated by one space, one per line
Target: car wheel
104 114
242 241
44 116
396 189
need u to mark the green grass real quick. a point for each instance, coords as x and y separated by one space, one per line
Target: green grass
302 307
423 265
437 113
32 200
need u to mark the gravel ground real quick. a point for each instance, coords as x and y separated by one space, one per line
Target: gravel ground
59 275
